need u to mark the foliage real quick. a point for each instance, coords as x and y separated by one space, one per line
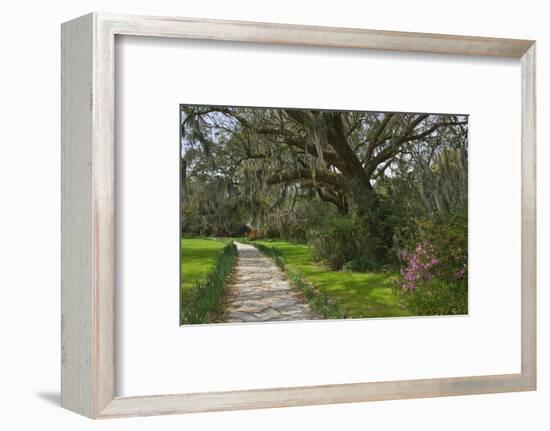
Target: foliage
448 235
334 241
359 241
212 207
250 168
201 304
435 297
434 279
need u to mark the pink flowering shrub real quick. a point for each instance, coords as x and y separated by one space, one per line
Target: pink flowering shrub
418 266
423 287
461 273
433 277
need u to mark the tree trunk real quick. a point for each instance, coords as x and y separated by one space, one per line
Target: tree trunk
337 139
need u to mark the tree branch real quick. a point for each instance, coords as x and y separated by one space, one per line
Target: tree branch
395 146
292 141
377 133
297 175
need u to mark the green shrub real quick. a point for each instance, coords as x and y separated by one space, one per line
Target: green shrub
448 237
201 304
434 297
297 232
334 242
347 242
434 273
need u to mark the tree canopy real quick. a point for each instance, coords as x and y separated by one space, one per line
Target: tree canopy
251 166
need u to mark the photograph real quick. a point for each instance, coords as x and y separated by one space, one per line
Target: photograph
303 214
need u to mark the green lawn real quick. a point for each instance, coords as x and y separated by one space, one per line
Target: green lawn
197 259
362 294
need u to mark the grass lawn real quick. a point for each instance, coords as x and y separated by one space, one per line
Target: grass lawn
198 256
362 294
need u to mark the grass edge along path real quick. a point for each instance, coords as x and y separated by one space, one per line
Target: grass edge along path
317 300
201 304
361 295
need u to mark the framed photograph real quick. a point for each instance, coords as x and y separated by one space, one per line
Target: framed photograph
263 215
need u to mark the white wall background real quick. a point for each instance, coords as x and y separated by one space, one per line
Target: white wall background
29 216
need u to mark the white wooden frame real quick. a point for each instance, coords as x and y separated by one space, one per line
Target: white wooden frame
88 215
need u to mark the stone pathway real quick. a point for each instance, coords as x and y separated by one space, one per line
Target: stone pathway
259 291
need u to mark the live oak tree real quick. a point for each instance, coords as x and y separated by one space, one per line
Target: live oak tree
264 161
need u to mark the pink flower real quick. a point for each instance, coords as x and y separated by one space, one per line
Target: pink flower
418 266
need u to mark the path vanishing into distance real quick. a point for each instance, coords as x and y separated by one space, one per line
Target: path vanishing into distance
259 291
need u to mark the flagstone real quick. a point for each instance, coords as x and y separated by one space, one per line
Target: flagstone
260 292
